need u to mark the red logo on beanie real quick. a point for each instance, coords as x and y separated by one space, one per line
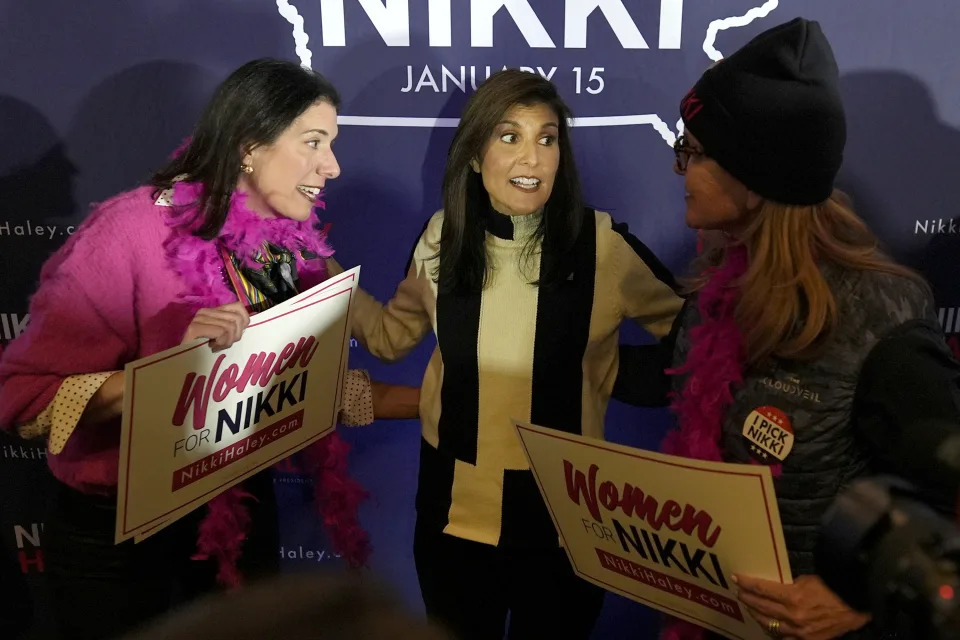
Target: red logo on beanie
690 105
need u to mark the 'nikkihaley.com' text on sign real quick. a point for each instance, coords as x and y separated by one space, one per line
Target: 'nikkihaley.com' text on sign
196 422
662 530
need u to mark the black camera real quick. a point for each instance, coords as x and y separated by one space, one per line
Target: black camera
885 551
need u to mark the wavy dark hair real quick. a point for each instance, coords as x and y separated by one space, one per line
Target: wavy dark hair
462 256
252 107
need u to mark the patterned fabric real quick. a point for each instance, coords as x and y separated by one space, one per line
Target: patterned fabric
276 281
272 281
61 416
357 409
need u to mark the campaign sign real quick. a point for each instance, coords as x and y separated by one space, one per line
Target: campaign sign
663 530
196 422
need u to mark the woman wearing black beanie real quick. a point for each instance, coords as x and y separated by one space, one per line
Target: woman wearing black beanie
793 311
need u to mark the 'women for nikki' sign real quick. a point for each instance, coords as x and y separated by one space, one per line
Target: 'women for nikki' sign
661 530
196 422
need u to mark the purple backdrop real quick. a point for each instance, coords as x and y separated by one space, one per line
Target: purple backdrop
93 96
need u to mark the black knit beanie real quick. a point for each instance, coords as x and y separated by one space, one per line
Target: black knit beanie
772 116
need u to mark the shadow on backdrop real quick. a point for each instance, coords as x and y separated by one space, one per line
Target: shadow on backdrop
129 124
902 170
36 195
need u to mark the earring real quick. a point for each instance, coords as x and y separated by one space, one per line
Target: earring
246 169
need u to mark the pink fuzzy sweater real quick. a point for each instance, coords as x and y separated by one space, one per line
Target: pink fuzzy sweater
110 295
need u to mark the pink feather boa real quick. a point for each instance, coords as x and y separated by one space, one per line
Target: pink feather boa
714 365
714 368
200 266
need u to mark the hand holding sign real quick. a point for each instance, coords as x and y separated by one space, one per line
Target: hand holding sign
806 609
197 422
665 531
223 325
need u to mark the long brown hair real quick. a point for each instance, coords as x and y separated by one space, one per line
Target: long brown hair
252 107
787 309
462 263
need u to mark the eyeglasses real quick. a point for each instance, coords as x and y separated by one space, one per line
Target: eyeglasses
683 152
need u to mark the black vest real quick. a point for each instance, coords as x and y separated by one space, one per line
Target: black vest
815 401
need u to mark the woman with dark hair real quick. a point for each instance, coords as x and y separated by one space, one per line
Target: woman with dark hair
795 314
525 289
226 229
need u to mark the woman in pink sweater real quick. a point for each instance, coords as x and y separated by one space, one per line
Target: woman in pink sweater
226 229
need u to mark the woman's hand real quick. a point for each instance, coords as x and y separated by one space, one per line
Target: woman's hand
806 609
221 325
106 403
393 401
